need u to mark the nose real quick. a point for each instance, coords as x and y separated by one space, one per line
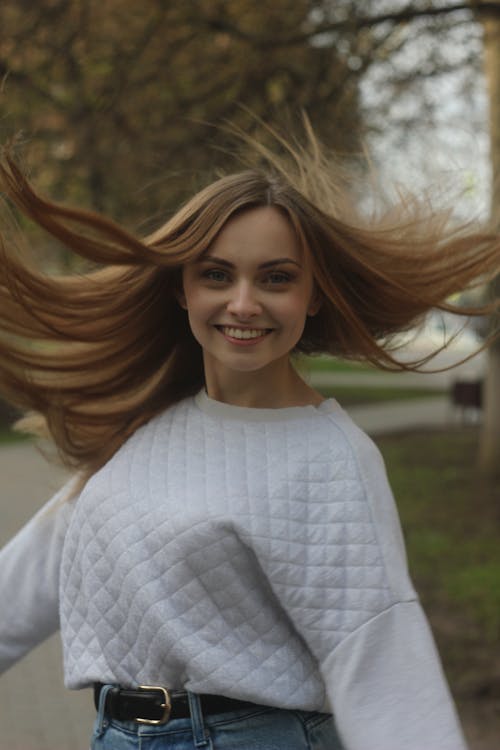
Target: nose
243 303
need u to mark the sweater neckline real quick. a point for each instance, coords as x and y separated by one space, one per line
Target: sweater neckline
252 414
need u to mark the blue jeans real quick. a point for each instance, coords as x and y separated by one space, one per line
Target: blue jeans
253 728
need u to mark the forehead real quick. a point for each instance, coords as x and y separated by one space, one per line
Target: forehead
255 233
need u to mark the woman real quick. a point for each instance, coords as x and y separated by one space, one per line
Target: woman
230 542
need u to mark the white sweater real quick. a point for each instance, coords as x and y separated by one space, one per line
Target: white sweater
253 553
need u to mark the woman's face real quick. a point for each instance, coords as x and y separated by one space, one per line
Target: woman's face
248 296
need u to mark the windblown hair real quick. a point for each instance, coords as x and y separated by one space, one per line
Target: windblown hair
97 355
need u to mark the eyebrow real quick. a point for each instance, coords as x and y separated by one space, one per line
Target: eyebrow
228 264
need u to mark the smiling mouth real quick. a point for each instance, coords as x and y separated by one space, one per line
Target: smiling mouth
243 333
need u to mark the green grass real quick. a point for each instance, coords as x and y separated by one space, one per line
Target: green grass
8 437
450 516
348 395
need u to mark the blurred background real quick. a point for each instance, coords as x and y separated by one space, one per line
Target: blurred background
115 106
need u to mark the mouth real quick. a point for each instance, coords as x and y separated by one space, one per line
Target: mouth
243 334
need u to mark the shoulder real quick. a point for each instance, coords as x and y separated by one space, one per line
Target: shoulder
348 439
141 451
356 446
368 468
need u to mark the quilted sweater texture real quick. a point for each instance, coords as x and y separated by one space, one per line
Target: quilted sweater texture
254 553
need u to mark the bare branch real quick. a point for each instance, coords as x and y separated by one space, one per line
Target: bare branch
353 24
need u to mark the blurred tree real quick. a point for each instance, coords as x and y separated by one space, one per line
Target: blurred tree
490 436
116 95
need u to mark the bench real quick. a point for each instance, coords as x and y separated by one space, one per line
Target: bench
468 396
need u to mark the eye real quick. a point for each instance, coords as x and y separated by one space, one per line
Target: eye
277 277
215 274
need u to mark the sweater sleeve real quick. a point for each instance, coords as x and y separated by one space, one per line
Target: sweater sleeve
387 688
385 680
362 620
29 580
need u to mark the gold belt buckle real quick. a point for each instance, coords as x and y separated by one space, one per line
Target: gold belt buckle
166 705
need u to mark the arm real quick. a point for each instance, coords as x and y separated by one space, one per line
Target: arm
390 666
387 688
355 607
29 580
385 680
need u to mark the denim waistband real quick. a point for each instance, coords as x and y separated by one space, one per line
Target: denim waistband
200 733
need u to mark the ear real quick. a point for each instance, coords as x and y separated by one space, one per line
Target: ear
315 303
181 298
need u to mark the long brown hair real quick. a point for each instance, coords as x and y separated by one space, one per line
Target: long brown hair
96 355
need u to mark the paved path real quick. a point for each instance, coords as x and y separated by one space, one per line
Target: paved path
36 712
472 370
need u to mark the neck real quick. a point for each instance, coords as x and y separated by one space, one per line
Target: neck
260 389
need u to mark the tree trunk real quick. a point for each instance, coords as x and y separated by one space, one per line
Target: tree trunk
489 449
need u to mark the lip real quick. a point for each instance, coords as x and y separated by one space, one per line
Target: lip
243 342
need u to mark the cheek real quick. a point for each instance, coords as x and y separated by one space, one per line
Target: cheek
301 304
201 311
199 307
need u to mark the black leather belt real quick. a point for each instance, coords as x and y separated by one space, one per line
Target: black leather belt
156 705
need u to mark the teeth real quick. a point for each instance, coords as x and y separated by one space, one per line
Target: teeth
244 333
